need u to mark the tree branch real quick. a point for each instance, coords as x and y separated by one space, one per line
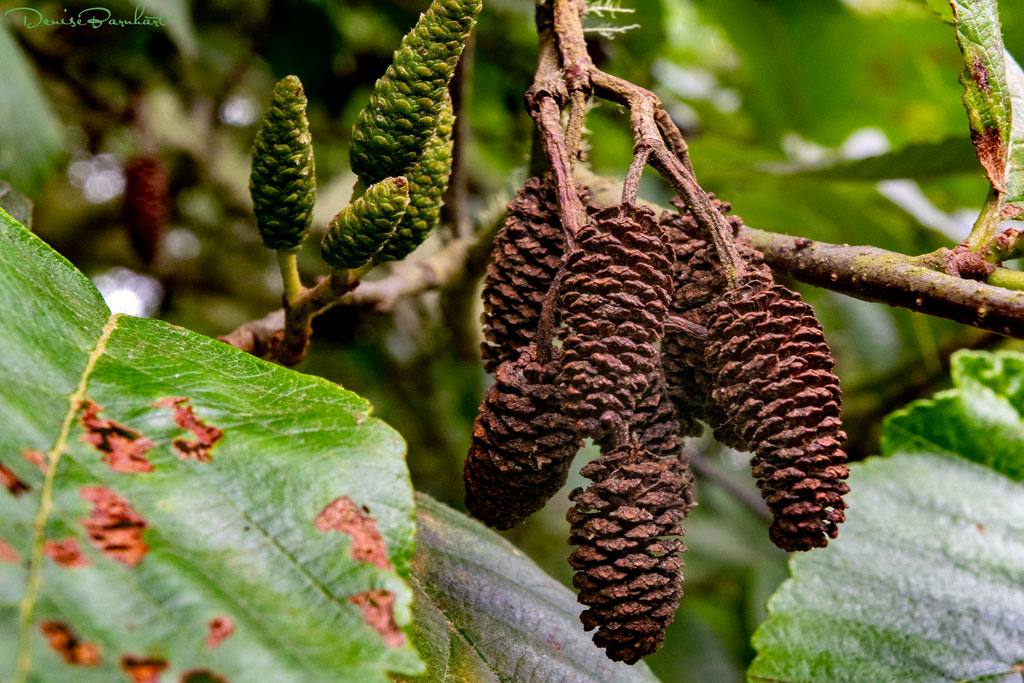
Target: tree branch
878 275
283 335
896 279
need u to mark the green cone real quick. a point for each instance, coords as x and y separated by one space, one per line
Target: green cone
283 178
395 127
428 179
361 228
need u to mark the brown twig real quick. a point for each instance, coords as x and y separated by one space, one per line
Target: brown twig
914 282
565 72
283 335
896 279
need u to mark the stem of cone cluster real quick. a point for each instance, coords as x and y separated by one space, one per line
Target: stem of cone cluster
289 264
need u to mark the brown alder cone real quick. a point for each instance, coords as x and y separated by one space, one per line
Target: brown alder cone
147 204
772 374
626 529
614 300
699 280
522 445
526 256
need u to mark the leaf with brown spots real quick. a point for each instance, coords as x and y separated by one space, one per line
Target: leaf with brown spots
186 418
221 628
123 449
343 515
63 640
993 95
8 554
114 527
202 676
379 611
143 669
15 486
231 538
36 458
66 553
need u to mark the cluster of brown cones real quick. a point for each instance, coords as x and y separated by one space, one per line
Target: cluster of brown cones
599 342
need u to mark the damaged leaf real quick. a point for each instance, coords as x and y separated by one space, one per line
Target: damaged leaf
66 553
123 449
114 527
185 417
143 669
218 570
65 643
345 516
220 629
993 91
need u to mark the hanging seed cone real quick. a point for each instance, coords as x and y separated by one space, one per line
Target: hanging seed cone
626 529
614 300
283 178
772 372
359 230
428 179
526 256
395 127
147 205
522 445
699 280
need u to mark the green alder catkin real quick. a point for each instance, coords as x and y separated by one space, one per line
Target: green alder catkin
360 229
394 128
428 179
283 178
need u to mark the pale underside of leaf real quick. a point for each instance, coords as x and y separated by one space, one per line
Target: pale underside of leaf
484 607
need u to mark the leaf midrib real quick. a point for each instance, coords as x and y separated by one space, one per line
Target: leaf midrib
28 602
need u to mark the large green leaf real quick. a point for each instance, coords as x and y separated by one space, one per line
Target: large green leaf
993 90
486 612
982 419
926 579
29 132
238 536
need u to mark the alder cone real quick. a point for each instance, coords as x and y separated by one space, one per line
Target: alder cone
614 300
772 372
699 280
626 529
147 204
522 446
527 253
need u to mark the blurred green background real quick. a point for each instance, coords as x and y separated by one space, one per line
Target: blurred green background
778 100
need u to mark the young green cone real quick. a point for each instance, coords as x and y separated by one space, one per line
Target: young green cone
396 125
364 226
428 179
283 178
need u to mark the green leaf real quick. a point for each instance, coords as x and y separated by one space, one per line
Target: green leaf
926 579
982 419
917 161
486 612
235 536
993 89
30 137
924 582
